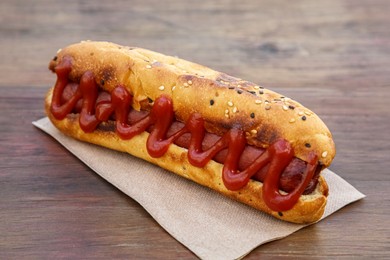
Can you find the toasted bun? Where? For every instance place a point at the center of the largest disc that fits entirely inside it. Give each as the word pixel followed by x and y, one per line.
pixel 264 115
pixel 191 87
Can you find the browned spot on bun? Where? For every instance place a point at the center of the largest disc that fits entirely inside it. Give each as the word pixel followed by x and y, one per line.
pixel 107 73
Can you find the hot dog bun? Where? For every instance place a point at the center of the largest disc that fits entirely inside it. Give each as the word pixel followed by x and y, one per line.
pixel 222 100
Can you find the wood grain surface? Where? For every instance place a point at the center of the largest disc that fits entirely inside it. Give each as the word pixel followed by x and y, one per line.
pixel 333 56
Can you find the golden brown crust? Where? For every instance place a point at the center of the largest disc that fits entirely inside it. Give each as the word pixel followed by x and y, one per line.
pixel 147 74
pixel 235 103
pixel 308 209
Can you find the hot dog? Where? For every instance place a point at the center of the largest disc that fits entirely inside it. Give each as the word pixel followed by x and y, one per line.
pixel 233 136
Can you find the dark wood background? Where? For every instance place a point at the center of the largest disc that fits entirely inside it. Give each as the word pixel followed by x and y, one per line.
pixel 333 56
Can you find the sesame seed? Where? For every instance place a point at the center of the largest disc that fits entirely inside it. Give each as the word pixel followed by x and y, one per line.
pixel 261 92
pixel 173 88
pixel 267 107
pixel 252 115
pixel 324 154
pixel 161 87
pixel 300 113
pixel 230 103
pixel 239 91
pixel 291 107
pixel 185 84
pixel 307 113
pixel 258 101
pixel 307 145
pixel 285 108
pixel 235 110
pixel 189 82
pixel 227 111
pixel 211 102
pixel 254 131
pixel 303 118
pixel 256 87
pixel 292 120
pixel 148 66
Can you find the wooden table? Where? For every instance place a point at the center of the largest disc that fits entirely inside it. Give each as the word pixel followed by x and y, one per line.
pixel 333 56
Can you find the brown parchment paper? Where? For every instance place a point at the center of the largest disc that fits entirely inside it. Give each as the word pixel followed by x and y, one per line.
pixel 210 225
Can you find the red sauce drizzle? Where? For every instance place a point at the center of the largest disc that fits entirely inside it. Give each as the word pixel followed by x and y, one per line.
pixel 96 109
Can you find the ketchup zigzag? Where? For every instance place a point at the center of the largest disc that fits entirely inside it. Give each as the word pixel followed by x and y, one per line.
pixel 118 102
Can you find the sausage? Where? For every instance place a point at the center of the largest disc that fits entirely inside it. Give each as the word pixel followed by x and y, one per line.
pixel 290 178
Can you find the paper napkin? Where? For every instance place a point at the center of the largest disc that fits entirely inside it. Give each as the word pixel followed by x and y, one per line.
pixel 210 225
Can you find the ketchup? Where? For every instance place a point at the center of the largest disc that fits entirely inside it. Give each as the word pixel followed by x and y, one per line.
pixel 96 108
